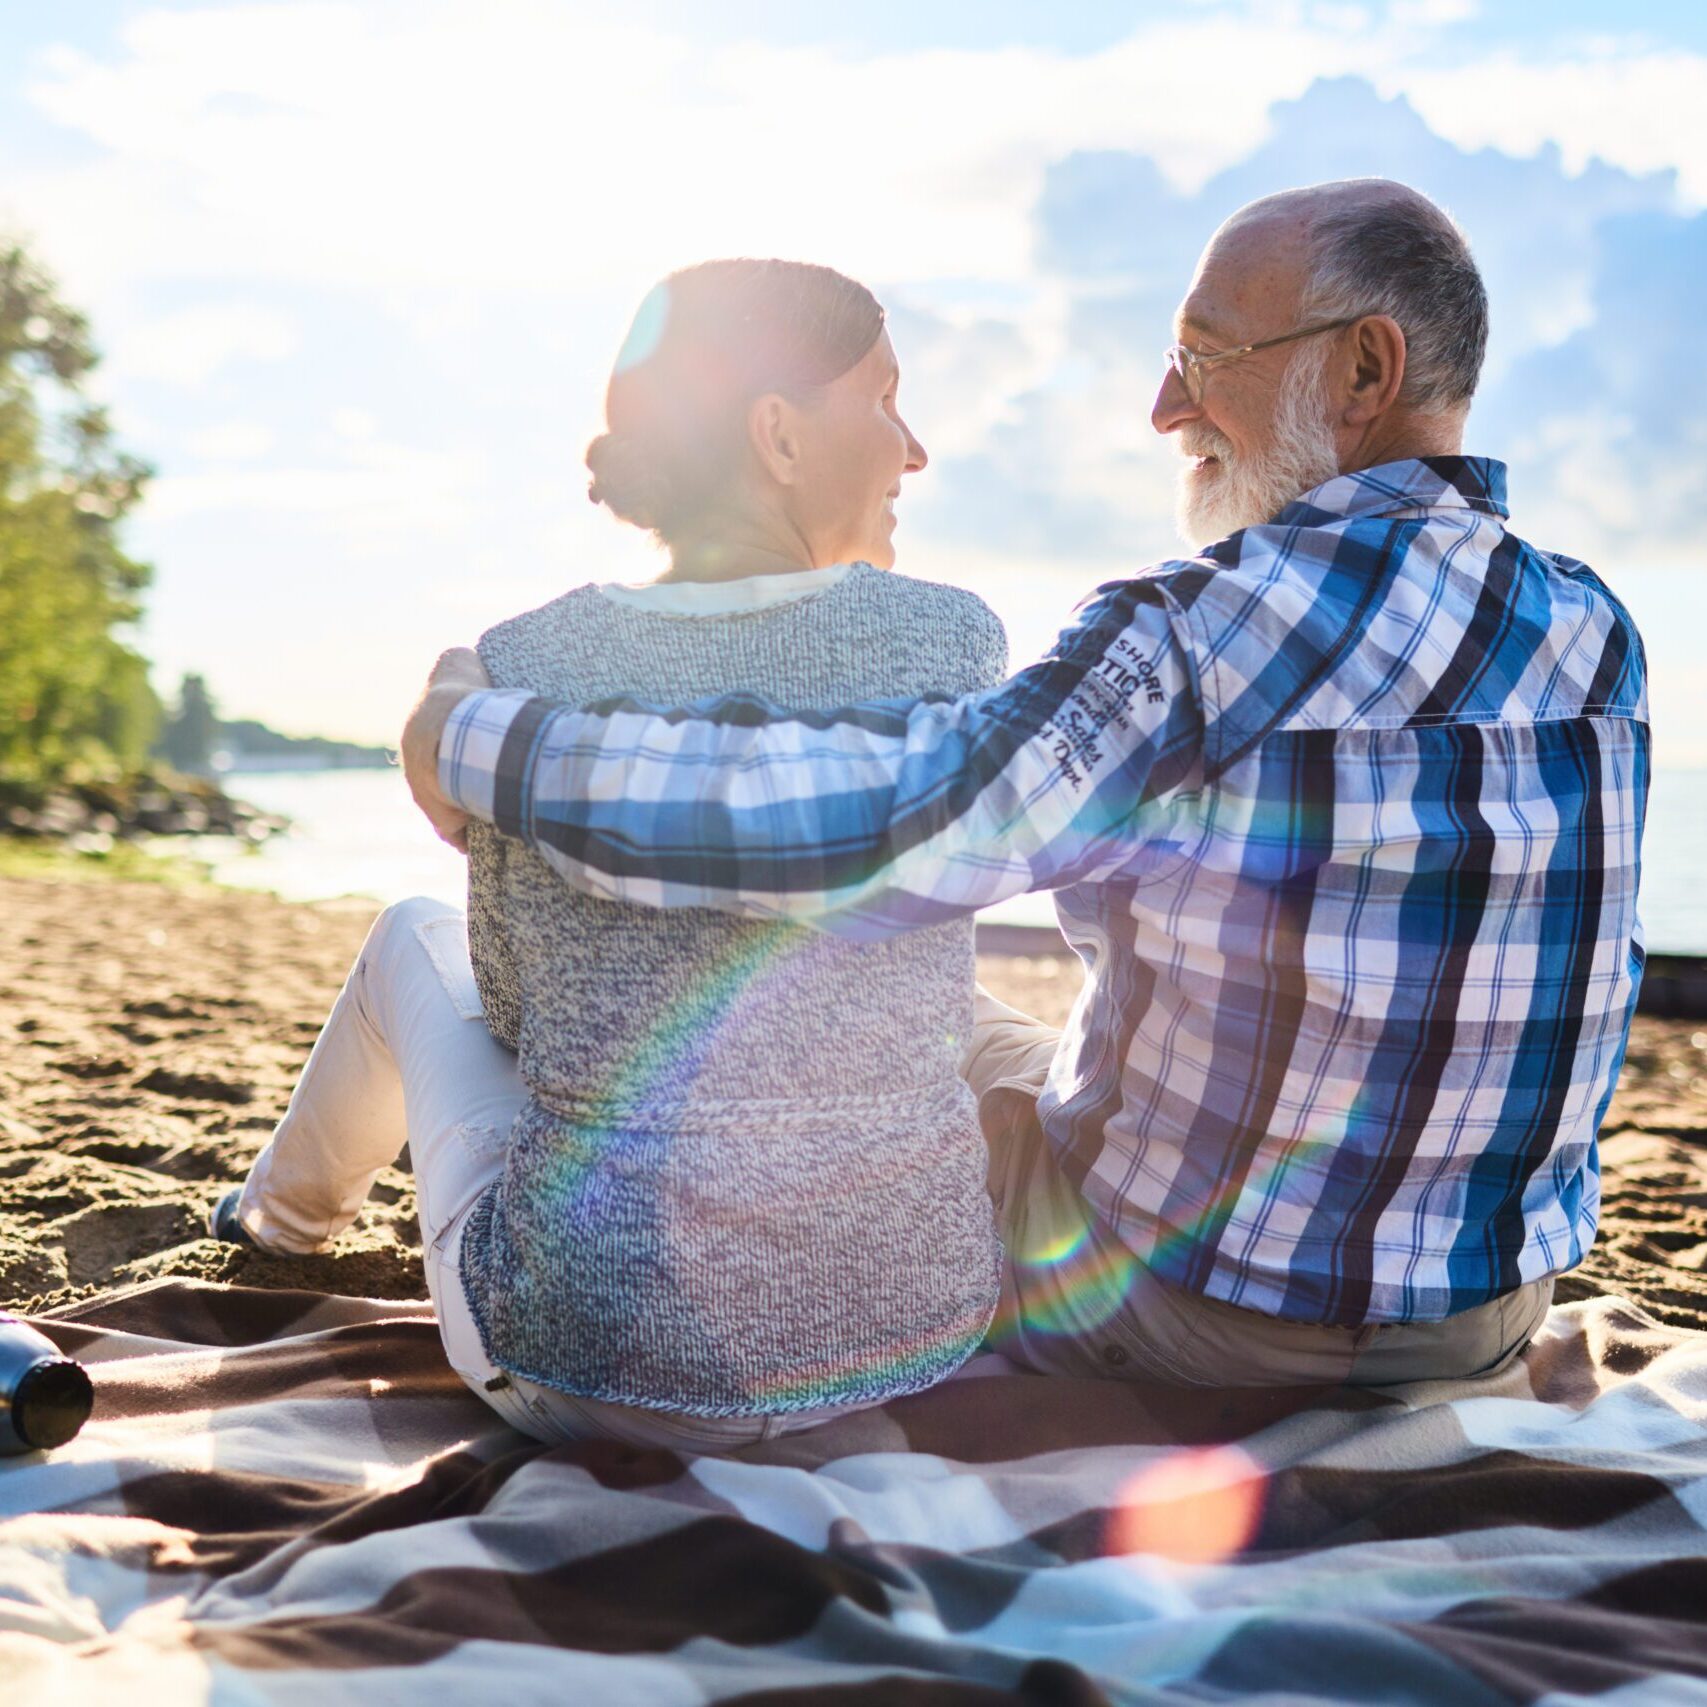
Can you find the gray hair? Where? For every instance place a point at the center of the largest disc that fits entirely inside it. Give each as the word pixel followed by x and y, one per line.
pixel 1399 254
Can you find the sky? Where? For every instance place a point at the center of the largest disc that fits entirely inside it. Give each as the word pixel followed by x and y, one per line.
pixel 359 271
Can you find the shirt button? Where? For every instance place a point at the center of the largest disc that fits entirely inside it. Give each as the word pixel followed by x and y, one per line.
pixel 1114 1355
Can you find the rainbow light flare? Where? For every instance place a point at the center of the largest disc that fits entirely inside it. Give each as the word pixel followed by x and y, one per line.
pixel 1072 1278
pixel 654 1075
pixel 670 1052
pixel 902 1365
pixel 1070 1283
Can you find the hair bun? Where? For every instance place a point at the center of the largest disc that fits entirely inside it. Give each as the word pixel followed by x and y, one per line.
pixel 704 344
pixel 625 480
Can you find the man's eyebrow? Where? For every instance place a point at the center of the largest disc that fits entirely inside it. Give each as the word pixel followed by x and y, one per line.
pixel 1191 323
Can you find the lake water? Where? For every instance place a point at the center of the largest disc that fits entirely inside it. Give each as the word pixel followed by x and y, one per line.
pixel 358 833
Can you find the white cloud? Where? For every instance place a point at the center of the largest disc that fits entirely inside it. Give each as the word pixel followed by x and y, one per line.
pixel 460 209
pixel 961 371
pixel 1641 112
pixel 350 423
pixel 395 144
pixel 1601 439
pixel 189 347
pixel 231 441
pixel 1433 13
pixel 389 493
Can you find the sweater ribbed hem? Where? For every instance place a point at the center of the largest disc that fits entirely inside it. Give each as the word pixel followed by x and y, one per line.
pixel 916 1372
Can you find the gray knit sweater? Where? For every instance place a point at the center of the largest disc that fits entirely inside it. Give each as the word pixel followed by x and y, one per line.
pixel 748 1178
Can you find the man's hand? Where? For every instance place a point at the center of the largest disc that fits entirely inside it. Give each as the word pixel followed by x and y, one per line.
pixel 458 673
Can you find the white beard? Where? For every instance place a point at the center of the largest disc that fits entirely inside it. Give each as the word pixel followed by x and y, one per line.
pixel 1240 492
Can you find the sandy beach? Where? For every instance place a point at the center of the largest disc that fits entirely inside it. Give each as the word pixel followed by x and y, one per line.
pixel 150 1036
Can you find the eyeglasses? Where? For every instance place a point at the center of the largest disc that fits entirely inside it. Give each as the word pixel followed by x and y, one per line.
pixel 1189 365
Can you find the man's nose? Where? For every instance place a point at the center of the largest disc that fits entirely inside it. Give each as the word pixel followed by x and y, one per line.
pixel 1173 406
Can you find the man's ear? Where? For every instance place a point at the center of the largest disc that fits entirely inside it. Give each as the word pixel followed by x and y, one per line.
pixel 1377 357
pixel 773 431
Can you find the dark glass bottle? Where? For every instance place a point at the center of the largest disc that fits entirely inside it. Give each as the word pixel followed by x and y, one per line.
pixel 44 1398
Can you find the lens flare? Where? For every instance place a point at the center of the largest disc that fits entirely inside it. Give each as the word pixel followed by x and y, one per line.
pixel 1071 1274
pixel 1061 1247
pixel 622 1125
pixel 904 1364
pixel 646 330
pixel 1196 1507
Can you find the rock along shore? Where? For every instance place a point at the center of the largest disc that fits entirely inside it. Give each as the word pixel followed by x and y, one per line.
pixel 91 817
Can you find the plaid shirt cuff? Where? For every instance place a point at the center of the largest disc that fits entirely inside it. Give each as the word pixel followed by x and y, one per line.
pixel 472 746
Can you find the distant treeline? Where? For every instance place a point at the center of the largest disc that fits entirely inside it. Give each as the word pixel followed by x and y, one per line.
pixel 244 738
pixel 198 741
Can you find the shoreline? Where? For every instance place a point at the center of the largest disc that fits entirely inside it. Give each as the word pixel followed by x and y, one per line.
pixel 96 816
pixel 150 1035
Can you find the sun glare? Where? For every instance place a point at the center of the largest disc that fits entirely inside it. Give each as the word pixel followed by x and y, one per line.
pixel 1195 1507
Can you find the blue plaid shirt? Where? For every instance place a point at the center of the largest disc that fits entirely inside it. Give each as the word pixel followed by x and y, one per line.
pixel 1343 817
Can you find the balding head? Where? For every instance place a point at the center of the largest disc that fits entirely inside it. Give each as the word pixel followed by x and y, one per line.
pixel 1373 246
pixel 1327 329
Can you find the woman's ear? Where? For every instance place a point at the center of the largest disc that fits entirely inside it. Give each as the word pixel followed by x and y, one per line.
pixel 773 430
pixel 1377 369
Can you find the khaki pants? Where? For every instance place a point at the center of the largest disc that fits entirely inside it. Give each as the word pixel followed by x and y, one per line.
pixel 1075 1301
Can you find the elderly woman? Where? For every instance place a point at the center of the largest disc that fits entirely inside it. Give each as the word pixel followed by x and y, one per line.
pixel 684 1179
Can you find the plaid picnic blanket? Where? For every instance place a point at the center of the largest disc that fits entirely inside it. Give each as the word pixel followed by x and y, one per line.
pixel 289 1498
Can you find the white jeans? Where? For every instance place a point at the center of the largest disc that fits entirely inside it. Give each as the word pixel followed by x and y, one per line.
pixel 405 1058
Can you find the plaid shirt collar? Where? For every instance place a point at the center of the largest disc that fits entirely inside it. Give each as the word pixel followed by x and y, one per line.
pixel 1394 488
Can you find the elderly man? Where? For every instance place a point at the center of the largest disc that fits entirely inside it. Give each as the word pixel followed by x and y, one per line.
pixel 1343 816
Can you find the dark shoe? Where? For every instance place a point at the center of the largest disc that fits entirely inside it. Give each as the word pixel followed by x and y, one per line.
pixel 222 1222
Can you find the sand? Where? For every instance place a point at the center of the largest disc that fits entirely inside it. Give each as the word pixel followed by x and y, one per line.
pixel 149 1038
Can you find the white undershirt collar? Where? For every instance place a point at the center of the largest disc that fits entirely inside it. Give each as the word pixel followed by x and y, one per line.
pixel 723 598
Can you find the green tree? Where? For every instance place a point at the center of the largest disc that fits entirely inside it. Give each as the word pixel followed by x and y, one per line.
pixel 74 696
pixel 192 731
